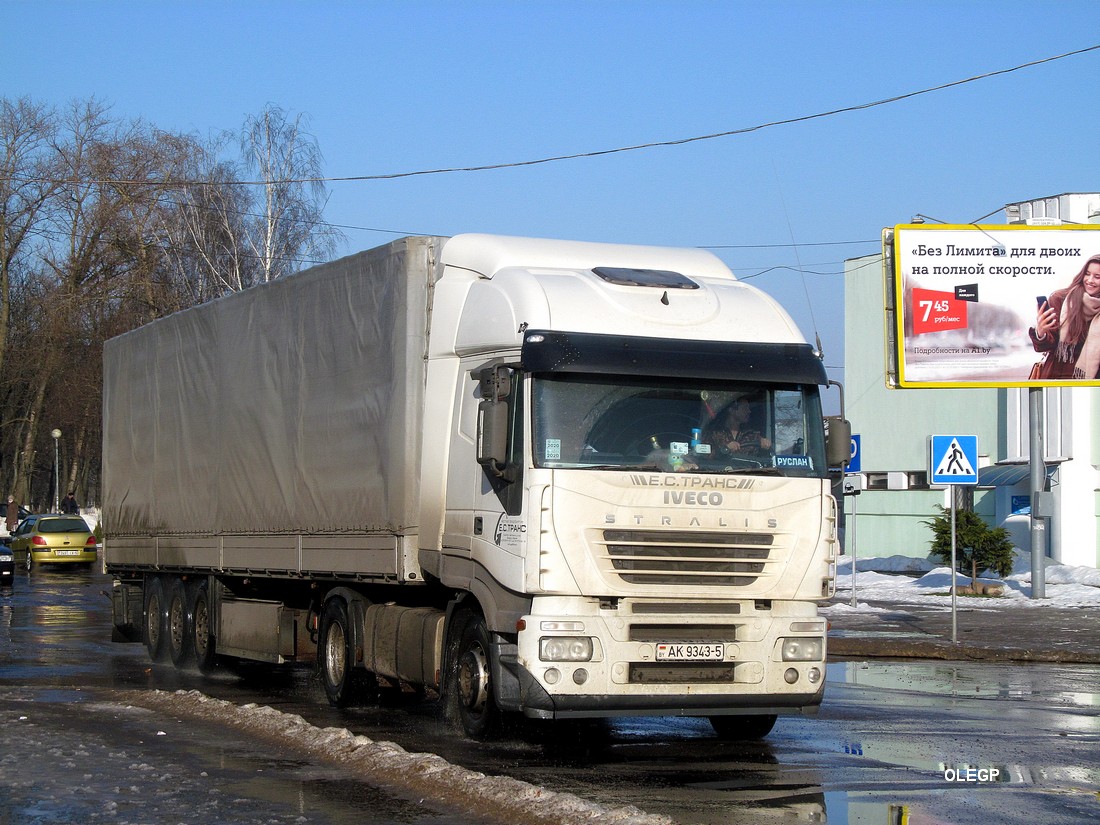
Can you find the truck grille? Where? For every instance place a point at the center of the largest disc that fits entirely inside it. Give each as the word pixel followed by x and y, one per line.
pixel 650 557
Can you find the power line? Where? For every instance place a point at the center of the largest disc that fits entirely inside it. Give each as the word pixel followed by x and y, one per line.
pixel 683 141
pixel 602 152
pixel 784 245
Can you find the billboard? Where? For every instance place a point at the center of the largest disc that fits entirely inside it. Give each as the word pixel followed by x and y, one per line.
pixel 996 306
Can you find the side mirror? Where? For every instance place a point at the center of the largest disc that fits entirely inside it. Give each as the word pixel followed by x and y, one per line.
pixel 492 435
pixel 838 441
pixel 493 418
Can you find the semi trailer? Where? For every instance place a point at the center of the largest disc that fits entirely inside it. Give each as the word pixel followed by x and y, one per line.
pixel 560 479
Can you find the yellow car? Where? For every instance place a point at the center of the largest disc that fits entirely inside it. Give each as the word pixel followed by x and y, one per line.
pixel 54 539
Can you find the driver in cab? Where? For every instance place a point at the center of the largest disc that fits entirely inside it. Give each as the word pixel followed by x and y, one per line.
pixel 731 431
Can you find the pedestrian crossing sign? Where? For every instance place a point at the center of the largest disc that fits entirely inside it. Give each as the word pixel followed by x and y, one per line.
pixel 953 459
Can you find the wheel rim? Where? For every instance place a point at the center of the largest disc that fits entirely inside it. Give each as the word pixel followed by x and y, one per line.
pixel 202 628
pixel 152 622
pixel 335 653
pixel 176 624
pixel 473 679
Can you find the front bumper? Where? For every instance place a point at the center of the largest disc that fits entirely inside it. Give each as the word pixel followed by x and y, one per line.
pixel 625 678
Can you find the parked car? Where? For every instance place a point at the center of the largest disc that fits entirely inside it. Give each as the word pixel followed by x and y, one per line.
pixel 54 539
pixel 7 566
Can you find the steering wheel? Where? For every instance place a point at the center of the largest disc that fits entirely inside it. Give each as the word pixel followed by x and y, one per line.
pixel 664 429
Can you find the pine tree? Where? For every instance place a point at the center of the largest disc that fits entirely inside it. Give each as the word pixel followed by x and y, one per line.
pixel 977 545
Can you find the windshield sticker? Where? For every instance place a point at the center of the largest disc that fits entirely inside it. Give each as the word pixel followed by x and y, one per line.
pixel 797 462
pixel 678 448
pixel 553 449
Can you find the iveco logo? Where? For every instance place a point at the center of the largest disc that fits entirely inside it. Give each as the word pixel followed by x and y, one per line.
pixel 692 498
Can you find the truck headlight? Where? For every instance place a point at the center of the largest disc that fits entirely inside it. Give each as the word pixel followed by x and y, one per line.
pixel 802 649
pixel 565 649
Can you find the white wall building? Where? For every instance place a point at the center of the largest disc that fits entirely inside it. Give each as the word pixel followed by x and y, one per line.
pixel 894 425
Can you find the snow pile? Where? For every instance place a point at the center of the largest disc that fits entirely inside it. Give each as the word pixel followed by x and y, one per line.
pixel 423 776
pixel 886 564
pixel 1066 585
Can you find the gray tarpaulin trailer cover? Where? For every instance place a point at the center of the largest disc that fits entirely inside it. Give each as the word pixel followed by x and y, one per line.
pixel 314 426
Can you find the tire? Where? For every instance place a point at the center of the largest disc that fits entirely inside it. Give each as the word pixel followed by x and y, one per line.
pixel 473 682
pixel 180 649
pixel 202 630
pixel 742 728
pixel 155 620
pixel 344 683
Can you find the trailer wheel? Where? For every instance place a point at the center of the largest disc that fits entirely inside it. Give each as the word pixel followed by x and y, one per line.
pixel 344 683
pixel 473 682
pixel 742 728
pixel 179 623
pixel 155 620
pixel 202 636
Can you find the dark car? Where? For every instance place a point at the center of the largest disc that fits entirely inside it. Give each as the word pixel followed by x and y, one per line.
pixel 7 564
pixel 54 539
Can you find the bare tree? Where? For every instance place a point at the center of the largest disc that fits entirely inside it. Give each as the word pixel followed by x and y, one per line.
pixel 26 130
pixel 286 158
pixel 207 236
pixel 107 225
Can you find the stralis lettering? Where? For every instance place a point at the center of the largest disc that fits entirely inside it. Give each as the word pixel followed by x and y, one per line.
pixel 692 498
pixel 692 482
pixel 680 520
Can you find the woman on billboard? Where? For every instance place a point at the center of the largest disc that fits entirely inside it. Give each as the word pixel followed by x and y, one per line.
pixel 1067 328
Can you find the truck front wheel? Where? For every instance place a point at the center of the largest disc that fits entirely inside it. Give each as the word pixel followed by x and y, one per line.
pixel 473 682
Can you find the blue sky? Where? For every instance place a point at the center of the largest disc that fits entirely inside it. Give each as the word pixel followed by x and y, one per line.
pixel 405 86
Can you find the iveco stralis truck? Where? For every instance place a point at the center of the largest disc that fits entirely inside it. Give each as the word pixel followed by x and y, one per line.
pixel 496 469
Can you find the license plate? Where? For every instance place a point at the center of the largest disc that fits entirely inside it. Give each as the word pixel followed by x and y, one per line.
pixel 66 552
pixel 677 652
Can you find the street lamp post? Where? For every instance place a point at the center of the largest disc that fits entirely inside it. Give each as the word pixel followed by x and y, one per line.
pixel 56 472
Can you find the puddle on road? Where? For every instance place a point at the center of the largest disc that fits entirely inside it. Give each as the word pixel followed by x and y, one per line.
pixel 853 633
pixel 962 763
pixel 971 680
pixel 956 807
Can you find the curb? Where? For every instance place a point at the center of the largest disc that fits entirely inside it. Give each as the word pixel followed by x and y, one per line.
pixel 840 648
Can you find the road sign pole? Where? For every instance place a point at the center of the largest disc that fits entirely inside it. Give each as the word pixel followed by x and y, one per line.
pixel 1038 483
pixel 954 576
pixel 854 498
pixel 855 467
pixel 953 461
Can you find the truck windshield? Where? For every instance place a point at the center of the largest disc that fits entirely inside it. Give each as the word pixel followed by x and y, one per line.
pixel 677 425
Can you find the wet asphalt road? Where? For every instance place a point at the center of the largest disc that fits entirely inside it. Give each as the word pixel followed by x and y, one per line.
pixel 927 741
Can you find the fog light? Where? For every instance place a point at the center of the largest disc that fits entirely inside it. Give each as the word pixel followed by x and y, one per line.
pixel 565 649
pixel 814 675
pixel 552 676
pixel 790 676
pixel 580 676
pixel 802 649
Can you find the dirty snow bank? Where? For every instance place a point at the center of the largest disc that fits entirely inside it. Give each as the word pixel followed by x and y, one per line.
pixel 885 580
pixel 385 764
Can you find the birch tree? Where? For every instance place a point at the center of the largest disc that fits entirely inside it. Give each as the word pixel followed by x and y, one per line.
pixel 286 160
